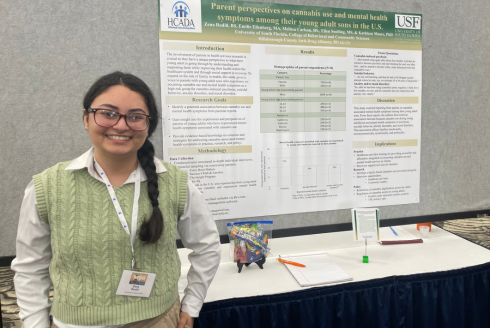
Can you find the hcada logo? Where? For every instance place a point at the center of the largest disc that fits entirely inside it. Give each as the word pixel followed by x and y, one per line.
pixel 182 18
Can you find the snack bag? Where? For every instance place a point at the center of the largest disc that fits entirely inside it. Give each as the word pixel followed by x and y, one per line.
pixel 249 240
pixel 239 251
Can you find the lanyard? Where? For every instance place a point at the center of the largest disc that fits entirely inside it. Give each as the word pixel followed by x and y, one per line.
pixel 117 206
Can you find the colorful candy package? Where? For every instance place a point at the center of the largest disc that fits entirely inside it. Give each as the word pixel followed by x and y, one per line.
pixel 249 240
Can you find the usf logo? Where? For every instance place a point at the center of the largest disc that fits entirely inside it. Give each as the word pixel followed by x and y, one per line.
pixel 412 22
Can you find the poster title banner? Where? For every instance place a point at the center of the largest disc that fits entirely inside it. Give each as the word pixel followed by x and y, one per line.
pixel 266 23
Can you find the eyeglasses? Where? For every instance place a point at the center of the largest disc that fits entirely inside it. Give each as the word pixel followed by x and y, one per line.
pixel 107 118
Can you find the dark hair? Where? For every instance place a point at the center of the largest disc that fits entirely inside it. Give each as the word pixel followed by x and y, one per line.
pixel 151 229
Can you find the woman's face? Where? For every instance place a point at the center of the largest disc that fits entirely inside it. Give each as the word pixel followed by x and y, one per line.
pixel 117 140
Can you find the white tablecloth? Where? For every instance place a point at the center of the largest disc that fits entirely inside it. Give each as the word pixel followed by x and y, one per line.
pixel 440 251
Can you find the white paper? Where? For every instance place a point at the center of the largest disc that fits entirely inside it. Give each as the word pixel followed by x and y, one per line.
pixel 386 234
pixel 365 223
pixel 319 270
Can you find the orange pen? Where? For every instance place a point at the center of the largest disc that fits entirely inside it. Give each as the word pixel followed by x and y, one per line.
pixel 292 263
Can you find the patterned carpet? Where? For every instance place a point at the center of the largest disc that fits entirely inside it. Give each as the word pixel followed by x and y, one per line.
pixel 10 310
pixel 475 230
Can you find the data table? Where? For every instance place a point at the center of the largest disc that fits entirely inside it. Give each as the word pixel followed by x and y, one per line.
pixel 302 101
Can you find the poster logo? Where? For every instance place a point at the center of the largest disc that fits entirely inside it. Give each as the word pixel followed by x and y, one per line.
pixel 180 16
pixel 412 22
pixel 179 11
pixel 138 279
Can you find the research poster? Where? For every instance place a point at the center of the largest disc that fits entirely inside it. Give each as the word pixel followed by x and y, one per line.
pixel 276 109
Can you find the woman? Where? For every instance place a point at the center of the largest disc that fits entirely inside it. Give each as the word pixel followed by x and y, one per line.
pixel 102 227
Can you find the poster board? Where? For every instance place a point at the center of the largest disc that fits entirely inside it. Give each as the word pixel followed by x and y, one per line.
pixel 277 109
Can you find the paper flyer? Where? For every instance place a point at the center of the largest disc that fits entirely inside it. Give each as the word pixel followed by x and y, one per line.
pixel 365 223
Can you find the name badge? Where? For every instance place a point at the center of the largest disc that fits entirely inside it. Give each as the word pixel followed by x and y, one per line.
pixel 135 283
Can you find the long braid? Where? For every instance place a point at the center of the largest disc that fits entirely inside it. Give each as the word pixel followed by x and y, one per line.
pixel 151 229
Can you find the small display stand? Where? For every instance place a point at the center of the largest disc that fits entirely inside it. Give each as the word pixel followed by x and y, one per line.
pixel 365 258
pixel 260 263
pixel 365 224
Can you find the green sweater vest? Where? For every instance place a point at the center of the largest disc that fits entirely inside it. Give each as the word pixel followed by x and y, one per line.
pixel 91 249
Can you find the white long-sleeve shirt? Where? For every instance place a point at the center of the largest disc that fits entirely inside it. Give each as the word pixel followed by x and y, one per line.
pixel 196 228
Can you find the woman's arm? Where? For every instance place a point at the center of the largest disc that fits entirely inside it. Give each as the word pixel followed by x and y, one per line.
pixel 198 232
pixel 31 265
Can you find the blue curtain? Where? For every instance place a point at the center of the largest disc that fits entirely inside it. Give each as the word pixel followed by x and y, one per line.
pixel 456 298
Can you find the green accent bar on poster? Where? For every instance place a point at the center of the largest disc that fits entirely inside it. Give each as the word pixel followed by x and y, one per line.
pixel 302 77
pixel 324 90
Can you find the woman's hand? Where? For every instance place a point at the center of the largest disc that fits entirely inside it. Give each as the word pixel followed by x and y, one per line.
pixel 185 320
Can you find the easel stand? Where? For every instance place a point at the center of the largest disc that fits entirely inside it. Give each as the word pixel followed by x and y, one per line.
pixel 260 263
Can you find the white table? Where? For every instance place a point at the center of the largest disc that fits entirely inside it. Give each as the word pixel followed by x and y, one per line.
pixel 440 251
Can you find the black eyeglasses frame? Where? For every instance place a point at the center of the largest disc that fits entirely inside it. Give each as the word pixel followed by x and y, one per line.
pixel 94 110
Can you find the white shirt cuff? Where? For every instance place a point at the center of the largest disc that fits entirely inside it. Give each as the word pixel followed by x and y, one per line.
pixel 191 305
pixel 38 320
